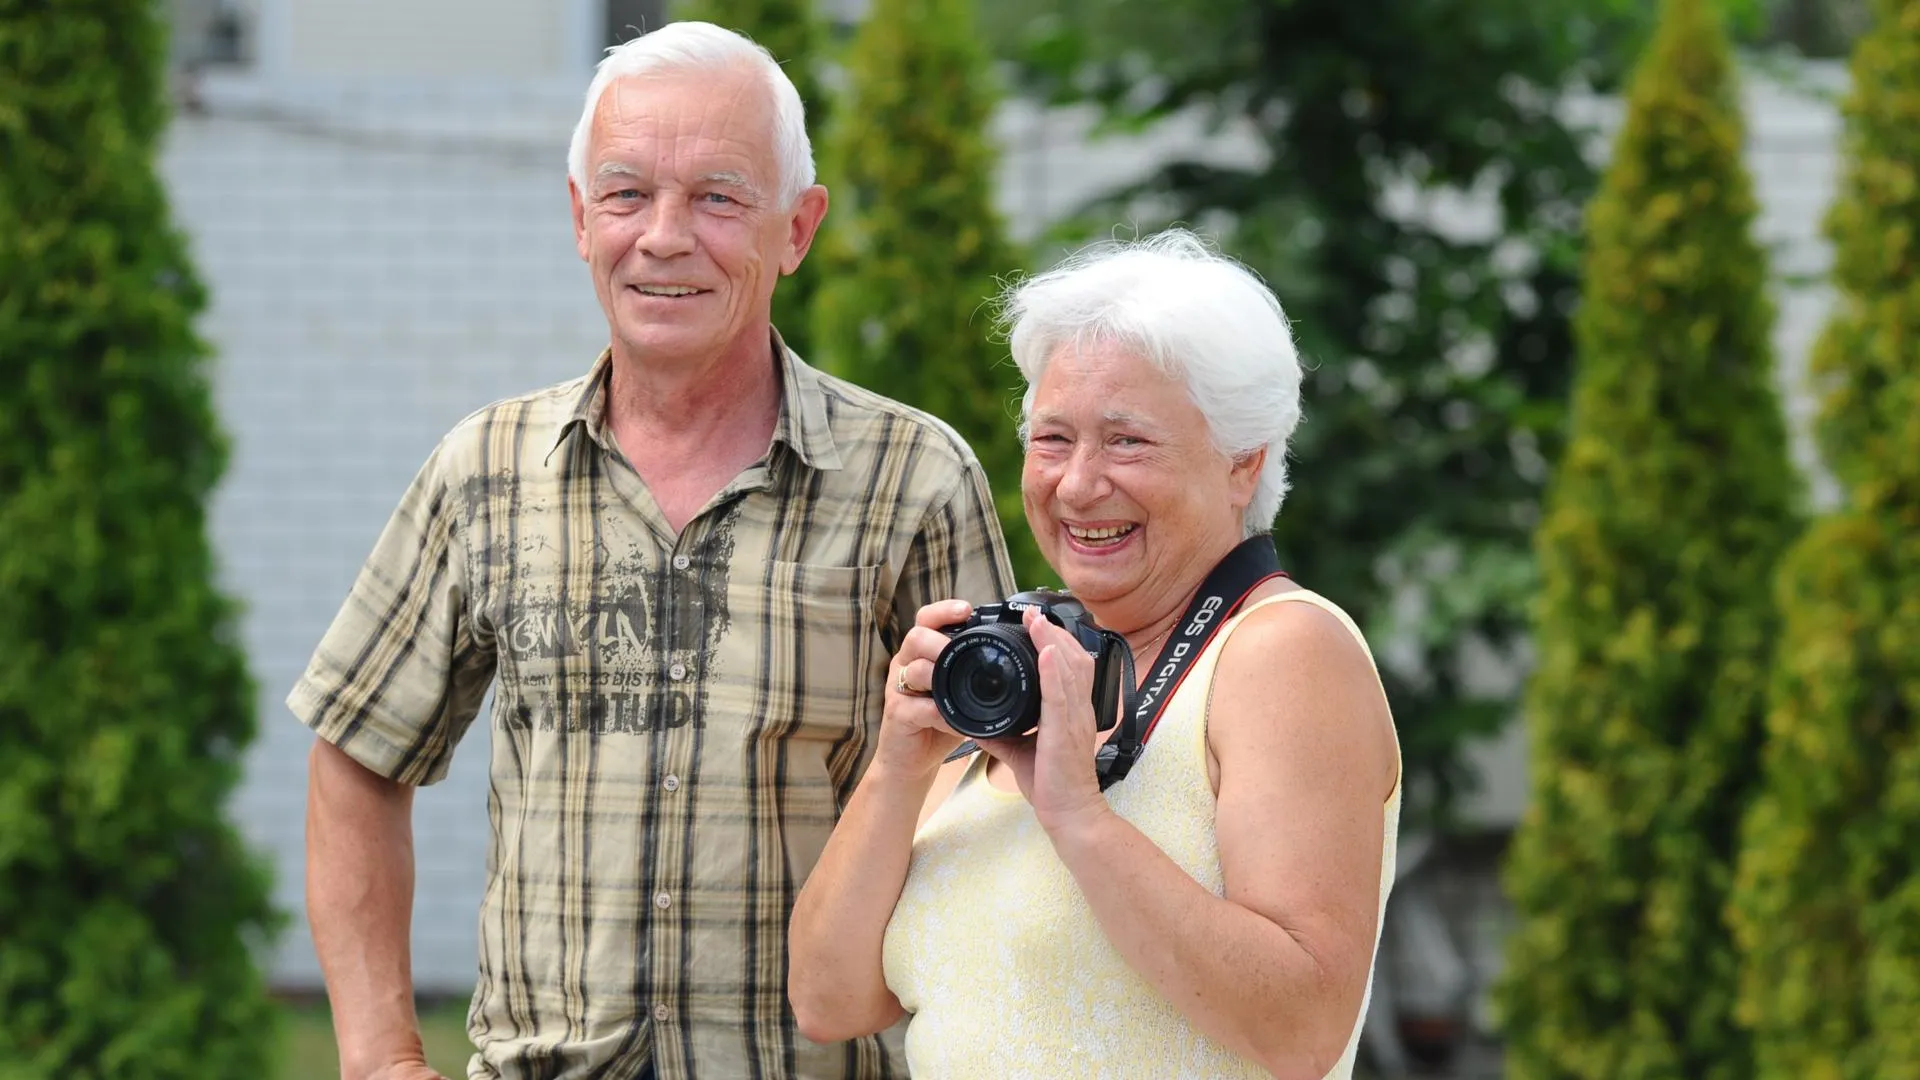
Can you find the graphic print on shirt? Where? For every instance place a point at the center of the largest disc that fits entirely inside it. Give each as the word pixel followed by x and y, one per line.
pixel 601 632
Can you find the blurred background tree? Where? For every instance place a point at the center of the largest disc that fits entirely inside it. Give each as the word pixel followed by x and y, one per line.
pixel 1827 906
pixel 796 36
pixel 1438 355
pixel 129 908
pixel 911 254
pixel 1654 624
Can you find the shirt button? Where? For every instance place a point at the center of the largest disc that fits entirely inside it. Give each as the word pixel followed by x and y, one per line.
pixel 681 562
pixel 662 901
pixel 662 1013
pixel 671 783
pixel 677 672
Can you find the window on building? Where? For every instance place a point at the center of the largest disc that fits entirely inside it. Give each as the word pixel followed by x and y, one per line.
pixel 209 33
pixel 628 19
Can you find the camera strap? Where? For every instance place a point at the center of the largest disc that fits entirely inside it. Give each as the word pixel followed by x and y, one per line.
pixel 1247 567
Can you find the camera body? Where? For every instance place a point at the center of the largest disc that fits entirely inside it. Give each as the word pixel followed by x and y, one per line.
pixel 986 681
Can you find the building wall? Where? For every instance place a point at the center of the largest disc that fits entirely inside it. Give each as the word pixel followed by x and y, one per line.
pixel 365 298
pixel 427 38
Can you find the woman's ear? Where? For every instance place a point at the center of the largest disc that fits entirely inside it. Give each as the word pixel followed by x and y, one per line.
pixel 1245 476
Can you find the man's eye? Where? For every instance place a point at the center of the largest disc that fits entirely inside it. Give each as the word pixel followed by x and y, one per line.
pixel 717 197
pixel 626 194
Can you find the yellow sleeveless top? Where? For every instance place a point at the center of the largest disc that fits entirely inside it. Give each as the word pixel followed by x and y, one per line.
pixel 997 957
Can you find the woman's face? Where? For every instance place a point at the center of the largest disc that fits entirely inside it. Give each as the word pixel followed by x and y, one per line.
pixel 1129 500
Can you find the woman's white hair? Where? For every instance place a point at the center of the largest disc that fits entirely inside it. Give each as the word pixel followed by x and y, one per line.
pixel 694 47
pixel 1197 315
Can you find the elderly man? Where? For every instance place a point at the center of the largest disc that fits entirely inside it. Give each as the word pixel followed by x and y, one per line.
pixel 683 574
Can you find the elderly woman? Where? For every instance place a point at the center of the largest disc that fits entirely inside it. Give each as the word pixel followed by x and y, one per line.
pixel 1214 910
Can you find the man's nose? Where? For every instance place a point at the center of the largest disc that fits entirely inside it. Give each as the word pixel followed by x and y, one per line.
pixel 669 228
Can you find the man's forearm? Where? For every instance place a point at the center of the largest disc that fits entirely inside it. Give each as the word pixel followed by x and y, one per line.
pixel 360 908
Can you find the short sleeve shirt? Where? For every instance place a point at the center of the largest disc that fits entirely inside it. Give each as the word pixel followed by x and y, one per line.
pixel 677 721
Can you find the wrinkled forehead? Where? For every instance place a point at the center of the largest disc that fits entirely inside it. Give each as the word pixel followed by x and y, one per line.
pixel 1108 383
pixel 1098 364
pixel 726 111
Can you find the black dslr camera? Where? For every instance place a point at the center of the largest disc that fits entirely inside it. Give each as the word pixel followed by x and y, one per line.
pixel 986 682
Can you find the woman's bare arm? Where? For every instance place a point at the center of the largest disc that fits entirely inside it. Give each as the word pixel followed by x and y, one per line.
pixel 1277 968
pixel 836 979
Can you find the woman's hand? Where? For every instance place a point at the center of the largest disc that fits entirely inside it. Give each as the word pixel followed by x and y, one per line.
pixel 1054 767
pixel 913 737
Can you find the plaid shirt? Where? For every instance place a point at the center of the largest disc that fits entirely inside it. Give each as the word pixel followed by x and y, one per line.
pixel 677 721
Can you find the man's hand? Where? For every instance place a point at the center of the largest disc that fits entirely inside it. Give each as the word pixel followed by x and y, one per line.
pixel 410 1070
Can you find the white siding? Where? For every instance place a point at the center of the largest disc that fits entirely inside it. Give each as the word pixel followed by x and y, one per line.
pixel 426 39
pixel 365 299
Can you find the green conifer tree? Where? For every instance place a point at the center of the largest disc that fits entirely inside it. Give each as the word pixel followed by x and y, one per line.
pixel 129 909
pixel 912 253
pixel 1827 900
pixel 794 34
pixel 1664 519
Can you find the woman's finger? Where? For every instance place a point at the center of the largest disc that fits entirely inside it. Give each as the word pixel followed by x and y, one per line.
pixel 942 613
pixel 913 677
pixel 922 641
pixel 1045 633
pixel 1058 679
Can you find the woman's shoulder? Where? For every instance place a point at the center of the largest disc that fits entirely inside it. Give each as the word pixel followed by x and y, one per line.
pixel 1286 613
pixel 1293 660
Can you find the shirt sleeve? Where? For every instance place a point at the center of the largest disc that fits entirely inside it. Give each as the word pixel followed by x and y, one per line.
pixel 960 552
pixel 398 676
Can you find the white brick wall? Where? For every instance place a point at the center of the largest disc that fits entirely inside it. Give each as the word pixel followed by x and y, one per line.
pixel 365 298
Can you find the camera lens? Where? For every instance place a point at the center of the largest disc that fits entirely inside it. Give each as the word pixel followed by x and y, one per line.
pixel 986 682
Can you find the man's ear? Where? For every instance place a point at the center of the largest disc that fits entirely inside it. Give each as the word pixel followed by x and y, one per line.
pixel 579 217
pixel 809 210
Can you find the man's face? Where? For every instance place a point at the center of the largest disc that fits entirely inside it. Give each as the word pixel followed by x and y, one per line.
pixel 680 221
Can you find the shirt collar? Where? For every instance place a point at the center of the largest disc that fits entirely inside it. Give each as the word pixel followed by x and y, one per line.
pixel 802 423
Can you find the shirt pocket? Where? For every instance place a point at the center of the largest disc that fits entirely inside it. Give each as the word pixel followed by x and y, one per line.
pixel 825 654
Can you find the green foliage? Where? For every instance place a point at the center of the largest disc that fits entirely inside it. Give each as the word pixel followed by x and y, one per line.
pixel 128 907
pixel 1438 345
pixel 1827 900
pixel 1665 518
pixel 910 258
pixel 793 33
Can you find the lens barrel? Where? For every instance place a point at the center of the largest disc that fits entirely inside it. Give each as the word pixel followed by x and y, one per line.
pixel 986 682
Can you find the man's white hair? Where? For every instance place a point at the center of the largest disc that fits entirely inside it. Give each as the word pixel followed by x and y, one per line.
pixel 703 47
pixel 1197 315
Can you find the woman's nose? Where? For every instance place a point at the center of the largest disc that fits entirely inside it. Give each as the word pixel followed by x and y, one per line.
pixel 1083 477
